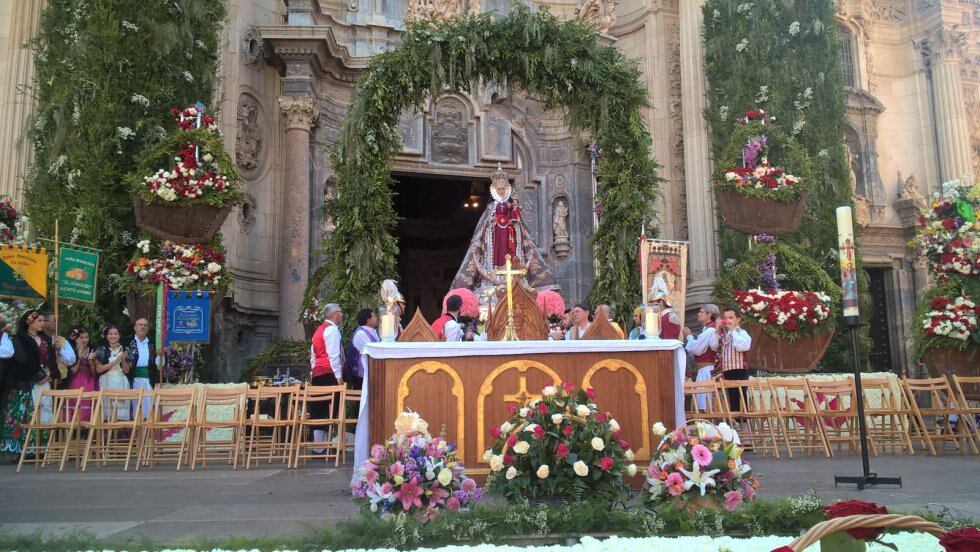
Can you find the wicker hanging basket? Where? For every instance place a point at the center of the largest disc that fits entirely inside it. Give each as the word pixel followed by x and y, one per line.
pixel 145 306
pixel 753 215
pixel 894 521
pixel 195 222
pixel 950 362
pixel 782 356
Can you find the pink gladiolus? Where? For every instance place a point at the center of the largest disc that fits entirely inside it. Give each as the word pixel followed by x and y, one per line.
pixel 410 494
pixel 452 504
pixel 675 484
pixel 701 454
pixel 396 469
pixel 469 485
pixel 732 500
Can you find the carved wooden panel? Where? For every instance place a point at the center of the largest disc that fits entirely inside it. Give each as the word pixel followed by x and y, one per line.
pixel 529 323
pixel 600 328
pixel 418 330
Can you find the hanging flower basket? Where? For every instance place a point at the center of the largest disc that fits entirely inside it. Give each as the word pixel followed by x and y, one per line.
pixel 783 356
pixel 953 362
pixel 195 222
pixel 759 215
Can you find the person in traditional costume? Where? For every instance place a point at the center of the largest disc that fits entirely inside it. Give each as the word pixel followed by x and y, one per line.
pixel 733 343
pixel 394 302
pixel 366 332
pixel 704 348
pixel 501 232
pixel 83 374
pixel 112 365
pixel 18 403
pixel 670 322
pixel 146 362
pixel 326 363
pixel 607 311
pixel 581 320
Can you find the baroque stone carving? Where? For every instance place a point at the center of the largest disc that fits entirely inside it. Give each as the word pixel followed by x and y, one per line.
pixel 862 211
pixel 910 191
pixel 248 141
pixel 300 113
pixel 252 47
pixel 450 140
pixel 601 14
pixel 944 45
pixel 246 213
pixel 439 10
pixel 559 227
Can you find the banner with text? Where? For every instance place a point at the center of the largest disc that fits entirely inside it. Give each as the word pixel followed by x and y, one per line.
pixel 77 270
pixel 188 317
pixel 23 272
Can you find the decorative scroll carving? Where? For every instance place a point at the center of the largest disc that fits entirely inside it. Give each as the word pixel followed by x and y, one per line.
pixel 862 211
pixel 601 14
pixel 418 330
pixel 559 226
pixel 248 141
pixel 299 112
pixel 944 45
pixel 910 190
pixel 529 323
pixel 450 141
pixel 252 47
pixel 601 328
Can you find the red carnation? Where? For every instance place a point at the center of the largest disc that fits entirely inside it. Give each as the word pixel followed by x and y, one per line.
pixel 542 408
pixel 512 409
pixel 495 432
pixel 964 539
pixel 939 303
pixel 601 416
pixel 568 430
pixel 590 393
pixel 508 459
pixel 512 440
pixel 562 450
pixel 538 432
pixel 605 463
pixel 845 508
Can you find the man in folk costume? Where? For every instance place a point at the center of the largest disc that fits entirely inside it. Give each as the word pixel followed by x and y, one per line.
pixel 670 322
pixel 327 363
pixel 704 348
pixel 733 343
pixel 366 332
pixel 146 363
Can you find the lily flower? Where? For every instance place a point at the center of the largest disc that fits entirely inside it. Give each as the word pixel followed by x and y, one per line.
pixel 699 479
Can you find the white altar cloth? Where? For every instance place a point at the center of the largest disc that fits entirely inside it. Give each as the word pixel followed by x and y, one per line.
pixel 384 350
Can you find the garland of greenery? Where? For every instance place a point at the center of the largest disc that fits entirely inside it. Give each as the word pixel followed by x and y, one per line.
pixel 782 150
pixel 563 64
pixel 784 56
pixel 105 78
pixel 956 286
pixel 797 271
pixel 161 156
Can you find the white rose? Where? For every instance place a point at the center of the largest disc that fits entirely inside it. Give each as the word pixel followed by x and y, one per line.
pixel 543 471
pixel 506 427
pixel 529 428
pixel 582 410
pixel 613 424
pixel 522 447
pixel 597 443
pixel 487 454
pixel 214 267
pixel 629 454
pixel 556 418
pixel 511 473
pixel 631 470
pixel 659 429
pixel 524 411
pixel 580 468
pixel 549 391
pixel 208 157
pixel 496 462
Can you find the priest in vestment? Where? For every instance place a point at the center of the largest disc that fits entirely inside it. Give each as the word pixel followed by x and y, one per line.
pixel 501 232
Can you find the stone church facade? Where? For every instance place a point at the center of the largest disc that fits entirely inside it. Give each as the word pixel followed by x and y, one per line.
pixel 288 71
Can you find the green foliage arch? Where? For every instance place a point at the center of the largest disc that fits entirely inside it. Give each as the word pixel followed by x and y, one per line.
pixel 560 63
pixel 782 150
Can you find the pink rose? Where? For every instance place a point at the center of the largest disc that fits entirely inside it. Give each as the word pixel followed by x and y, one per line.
pixel 605 463
pixel 562 450
pixel 396 469
pixel 371 476
pixel 495 432
pixel 377 452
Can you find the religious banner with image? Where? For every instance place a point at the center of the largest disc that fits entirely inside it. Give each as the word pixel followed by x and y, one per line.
pixel 77 269
pixel 666 273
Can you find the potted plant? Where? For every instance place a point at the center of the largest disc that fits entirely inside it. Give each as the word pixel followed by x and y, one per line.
pixel 698 465
pixel 560 448
pixel 180 267
pixel 754 194
pixel 786 301
pixel 414 472
pixel 186 184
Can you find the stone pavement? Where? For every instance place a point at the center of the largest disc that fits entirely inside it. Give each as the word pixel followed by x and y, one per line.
pixel 165 505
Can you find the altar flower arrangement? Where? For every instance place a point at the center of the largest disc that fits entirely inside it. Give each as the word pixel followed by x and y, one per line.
pixel 949 231
pixel 698 465
pixel 792 311
pixel 194 117
pixel 179 266
pixel 557 447
pixel 414 472
pixel 552 305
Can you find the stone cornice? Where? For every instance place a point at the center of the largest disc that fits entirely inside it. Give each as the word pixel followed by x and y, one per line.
pixel 317 44
pixel 861 100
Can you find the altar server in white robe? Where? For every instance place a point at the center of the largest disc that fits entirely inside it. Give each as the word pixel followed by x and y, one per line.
pixel 704 348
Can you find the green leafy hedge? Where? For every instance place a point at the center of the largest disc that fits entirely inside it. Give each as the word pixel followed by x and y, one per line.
pixel 560 62
pixel 782 150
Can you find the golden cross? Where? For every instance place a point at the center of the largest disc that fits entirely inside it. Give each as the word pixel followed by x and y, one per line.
pixel 509 273
pixel 522 396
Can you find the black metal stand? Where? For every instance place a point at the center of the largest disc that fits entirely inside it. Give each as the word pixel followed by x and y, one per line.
pixel 867 478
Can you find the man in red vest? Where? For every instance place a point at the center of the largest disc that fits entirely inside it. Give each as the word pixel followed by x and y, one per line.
pixel 326 362
pixel 704 348
pixel 447 326
pixel 670 323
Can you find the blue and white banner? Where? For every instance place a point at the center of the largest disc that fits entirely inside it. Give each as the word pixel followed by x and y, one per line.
pixel 188 317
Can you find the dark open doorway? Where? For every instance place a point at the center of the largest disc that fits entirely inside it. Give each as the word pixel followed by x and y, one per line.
pixel 437 218
pixel 880 356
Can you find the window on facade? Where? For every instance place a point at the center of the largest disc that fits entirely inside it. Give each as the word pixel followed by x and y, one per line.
pixel 847 56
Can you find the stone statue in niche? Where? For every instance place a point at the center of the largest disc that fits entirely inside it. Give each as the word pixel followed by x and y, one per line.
pixel 559 226
pixel 601 14
pixel 248 141
pixel 450 140
pixel 862 207
pixel 910 190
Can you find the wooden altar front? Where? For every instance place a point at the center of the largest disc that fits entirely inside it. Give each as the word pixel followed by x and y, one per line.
pixel 464 388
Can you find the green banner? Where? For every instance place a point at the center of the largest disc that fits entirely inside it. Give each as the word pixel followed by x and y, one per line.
pixel 77 270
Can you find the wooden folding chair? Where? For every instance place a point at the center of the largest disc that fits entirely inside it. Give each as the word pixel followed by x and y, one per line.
pixel 888 421
pixel 835 402
pixel 962 385
pixel 931 413
pixel 163 435
pixel 219 410
pixel 797 417
pixel 317 408
pixel 712 400
pixel 77 446
pixel 352 401
pixel 269 427
pixel 53 425
pixel 756 424
pixel 111 437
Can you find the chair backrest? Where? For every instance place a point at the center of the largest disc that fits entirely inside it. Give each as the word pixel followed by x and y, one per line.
pixel 791 395
pixel 938 391
pixel 965 386
pixel 313 394
pixel 105 408
pixel 750 392
pixel 166 399
pixel 62 405
pixel 708 387
pixel 833 395
pixel 889 397
pixel 216 399
pixel 279 399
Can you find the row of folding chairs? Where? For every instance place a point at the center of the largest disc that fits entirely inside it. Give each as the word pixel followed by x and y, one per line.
pixel 809 415
pixel 190 427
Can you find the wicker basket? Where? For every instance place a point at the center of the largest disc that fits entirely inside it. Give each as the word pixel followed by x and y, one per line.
pixel 753 215
pixel 948 362
pixel 894 521
pixel 195 222
pixel 784 357
pixel 145 306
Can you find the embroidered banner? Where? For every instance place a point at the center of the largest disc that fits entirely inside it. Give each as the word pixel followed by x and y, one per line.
pixel 188 317
pixel 77 270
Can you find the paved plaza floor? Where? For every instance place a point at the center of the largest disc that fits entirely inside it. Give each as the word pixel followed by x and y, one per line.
pixel 164 505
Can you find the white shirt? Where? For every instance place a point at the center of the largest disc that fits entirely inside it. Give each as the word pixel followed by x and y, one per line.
pixel 452 330
pixel 331 338
pixel 142 351
pixel 707 339
pixel 6 346
pixel 361 339
pixel 67 354
pixel 579 332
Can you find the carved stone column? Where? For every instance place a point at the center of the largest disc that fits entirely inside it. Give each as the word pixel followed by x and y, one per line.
pixel 701 221
pixel 299 117
pixel 943 52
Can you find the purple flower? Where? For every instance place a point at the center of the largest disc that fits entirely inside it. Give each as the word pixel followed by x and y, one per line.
pixel 751 151
pixel 765 238
pixel 767 272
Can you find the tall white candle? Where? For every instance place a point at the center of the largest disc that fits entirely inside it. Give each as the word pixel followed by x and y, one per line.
pixel 848 264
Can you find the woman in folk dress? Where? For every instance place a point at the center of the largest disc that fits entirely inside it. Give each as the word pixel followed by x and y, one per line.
pixel 83 374
pixel 112 367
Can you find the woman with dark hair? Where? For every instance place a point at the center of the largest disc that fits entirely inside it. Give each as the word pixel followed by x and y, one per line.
pixel 112 367
pixel 83 372
pixel 34 369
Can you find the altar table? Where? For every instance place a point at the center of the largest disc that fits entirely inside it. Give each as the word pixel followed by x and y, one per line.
pixel 464 387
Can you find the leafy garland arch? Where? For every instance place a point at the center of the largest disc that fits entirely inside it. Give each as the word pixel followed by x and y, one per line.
pixel 562 64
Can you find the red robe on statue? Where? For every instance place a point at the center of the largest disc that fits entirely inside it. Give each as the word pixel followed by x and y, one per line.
pixel 504 233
